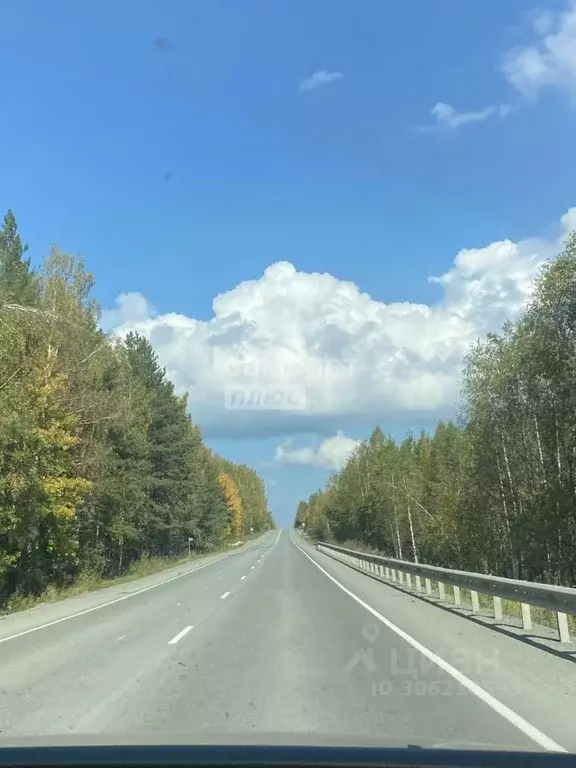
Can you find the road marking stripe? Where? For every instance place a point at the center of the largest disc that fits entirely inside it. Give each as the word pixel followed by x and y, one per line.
pixel 224 596
pixel 116 600
pixel 180 635
pixel 252 567
pixel 278 537
pixel 513 717
pixel 242 578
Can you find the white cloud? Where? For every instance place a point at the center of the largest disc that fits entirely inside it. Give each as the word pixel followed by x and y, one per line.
pixel 551 59
pixel 447 116
pixel 568 221
pixel 351 356
pixel 131 308
pixel 318 79
pixel 332 453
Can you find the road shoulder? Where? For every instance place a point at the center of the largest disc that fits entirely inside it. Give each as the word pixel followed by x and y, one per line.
pixel 538 685
pixel 43 614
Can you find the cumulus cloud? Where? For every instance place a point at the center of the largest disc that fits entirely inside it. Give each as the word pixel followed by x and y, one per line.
pixel 318 79
pixel 293 352
pixel 551 59
pixel 447 116
pixel 332 453
pixel 130 308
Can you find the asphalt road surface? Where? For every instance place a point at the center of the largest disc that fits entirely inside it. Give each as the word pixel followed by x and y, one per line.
pixel 275 639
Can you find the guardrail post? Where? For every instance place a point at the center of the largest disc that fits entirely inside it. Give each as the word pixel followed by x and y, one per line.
pixel 409 580
pixel 526 616
pixel 387 572
pixel 457 598
pixel 475 601
pixel 418 581
pixel 428 586
pixel 441 591
pixel 563 630
pixel 497 608
pixel 400 577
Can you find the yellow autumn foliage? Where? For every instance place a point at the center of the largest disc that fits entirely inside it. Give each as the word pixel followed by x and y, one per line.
pixel 65 493
pixel 57 434
pixel 234 504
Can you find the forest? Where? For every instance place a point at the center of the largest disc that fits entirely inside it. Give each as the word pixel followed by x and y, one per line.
pixel 494 490
pixel 100 462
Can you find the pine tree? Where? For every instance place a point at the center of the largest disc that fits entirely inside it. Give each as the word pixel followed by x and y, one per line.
pixel 18 284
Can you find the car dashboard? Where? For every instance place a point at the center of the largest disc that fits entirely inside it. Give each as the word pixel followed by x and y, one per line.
pixel 273 756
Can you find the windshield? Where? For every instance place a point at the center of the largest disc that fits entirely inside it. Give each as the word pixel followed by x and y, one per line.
pixel 287 373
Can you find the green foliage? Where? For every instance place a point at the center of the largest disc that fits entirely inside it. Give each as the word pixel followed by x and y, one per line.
pixel 101 467
pixel 17 283
pixel 497 491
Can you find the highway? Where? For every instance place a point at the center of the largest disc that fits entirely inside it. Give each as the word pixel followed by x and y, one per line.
pixel 274 639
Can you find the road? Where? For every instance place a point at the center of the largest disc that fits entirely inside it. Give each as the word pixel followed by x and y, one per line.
pixel 273 639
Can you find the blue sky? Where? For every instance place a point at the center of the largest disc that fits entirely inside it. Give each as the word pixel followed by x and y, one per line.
pixel 177 147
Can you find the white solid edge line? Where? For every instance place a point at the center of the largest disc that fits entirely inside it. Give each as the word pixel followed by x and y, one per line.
pixel 224 596
pixel 180 635
pixel 513 717
pixel 116 600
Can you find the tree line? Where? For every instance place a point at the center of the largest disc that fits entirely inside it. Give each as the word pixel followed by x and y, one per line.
pixel 494 490
pixel 100 463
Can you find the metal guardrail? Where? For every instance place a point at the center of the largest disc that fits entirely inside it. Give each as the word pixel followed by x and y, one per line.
pixel 560 600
